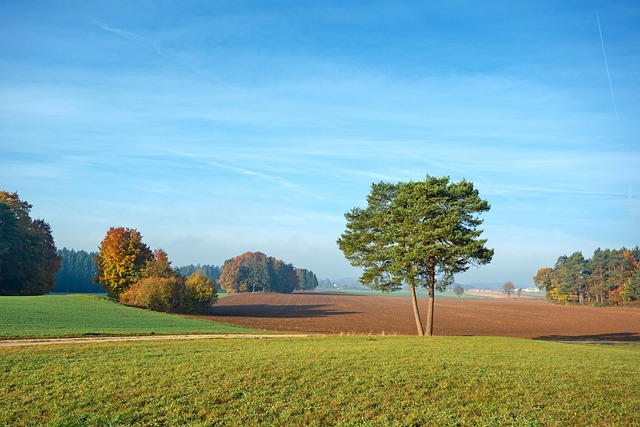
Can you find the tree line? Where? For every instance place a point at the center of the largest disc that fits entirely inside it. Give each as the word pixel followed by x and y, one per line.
pixel 257 272
pixel 610 276
pixel 78 269
pixel 210 271
pixel 135 275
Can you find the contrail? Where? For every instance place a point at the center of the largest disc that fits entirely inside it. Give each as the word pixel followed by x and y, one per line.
pixel 615 108
pixel 604 53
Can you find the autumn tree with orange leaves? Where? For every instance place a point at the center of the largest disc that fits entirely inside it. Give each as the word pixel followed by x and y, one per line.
pixel 121 260
pixel 159 266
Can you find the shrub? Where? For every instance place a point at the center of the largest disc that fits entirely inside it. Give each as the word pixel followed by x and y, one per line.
pixel 155 293
pixel 172 294
pixel 199 294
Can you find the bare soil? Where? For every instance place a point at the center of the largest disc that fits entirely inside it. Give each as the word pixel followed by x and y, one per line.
pixel 334 313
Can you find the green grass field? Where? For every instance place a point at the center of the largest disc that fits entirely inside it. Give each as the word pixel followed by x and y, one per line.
pixel 81 315
pixel 347 381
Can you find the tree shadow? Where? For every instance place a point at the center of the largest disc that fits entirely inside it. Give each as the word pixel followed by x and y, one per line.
pixel 334 293
pixel 267 311
pixel 626 337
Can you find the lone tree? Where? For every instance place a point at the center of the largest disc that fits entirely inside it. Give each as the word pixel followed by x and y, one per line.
pixel 458 290
pixel 418 233
pixel 507 288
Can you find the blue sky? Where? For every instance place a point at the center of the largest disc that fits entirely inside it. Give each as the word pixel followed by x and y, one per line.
pixel 219 127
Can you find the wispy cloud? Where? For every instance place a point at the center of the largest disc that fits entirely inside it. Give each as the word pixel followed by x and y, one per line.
pixel 253 173
pixel 130 36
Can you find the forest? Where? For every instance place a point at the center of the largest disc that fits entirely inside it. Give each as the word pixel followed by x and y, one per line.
pixel 609 277
pixel 77 270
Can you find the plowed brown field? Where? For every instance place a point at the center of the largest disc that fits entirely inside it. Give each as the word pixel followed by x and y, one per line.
pixel 364 314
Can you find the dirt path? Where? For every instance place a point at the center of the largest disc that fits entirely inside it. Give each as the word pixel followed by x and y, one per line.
pixel 90 340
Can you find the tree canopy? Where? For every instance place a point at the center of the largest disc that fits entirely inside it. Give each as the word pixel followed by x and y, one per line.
pixel 416 233
pixel 458 290
pixel 508 288
pixel 28 256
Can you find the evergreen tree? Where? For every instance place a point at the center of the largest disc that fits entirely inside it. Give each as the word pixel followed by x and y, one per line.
pixel 418 233
pixel 307 280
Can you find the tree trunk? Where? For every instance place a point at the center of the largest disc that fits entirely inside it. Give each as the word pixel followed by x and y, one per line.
pixel 416 311
pixel 430 306
pixel 430 303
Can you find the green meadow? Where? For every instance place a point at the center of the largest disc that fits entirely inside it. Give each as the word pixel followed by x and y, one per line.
pixel 84 315
pixel 345 381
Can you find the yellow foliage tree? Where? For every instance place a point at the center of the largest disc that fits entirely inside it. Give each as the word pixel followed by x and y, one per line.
pixel 121 260
pixel 547 279
pixel 200 293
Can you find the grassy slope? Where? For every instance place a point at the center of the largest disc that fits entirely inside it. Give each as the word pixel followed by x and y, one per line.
pixel 401 381
pixel 77 315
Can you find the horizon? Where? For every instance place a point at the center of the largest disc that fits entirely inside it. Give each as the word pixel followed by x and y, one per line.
pixel 217 128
